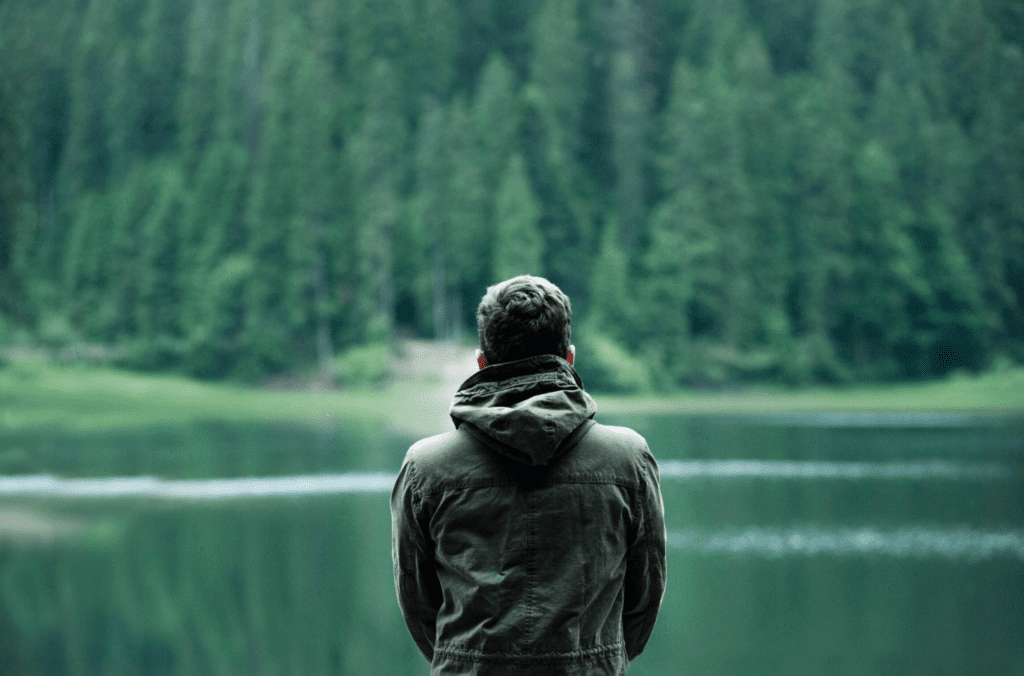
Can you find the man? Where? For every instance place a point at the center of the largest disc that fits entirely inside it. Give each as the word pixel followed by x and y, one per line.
pixel 530 540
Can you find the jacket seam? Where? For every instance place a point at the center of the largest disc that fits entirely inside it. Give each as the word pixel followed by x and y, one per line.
pixel 530 561
pixel 417 504
pixel 647 542
pixel 544 483
pixel 466 654
pixel 414 480
pixel 514 382
pixel 649 556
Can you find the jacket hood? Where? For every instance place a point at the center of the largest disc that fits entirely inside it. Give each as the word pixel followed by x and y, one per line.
pixel 527 410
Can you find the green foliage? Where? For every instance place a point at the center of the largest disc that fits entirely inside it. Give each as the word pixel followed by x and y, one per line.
pixel 495 117
pixel 55 331
pixel 558 70
pixel 630 128
pixel 518 246
pixel 5 336
pixel 605 365
pixel 379 172
pixel 215 339
pixel 363 366
pixel 610 304
pixel 825 191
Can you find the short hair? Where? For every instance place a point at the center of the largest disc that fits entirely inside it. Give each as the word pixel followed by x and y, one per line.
pixel 524 317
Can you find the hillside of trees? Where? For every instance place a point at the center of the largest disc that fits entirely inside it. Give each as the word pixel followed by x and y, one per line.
pixel 729 190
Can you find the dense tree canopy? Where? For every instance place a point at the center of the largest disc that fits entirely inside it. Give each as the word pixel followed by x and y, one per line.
pixel 728 189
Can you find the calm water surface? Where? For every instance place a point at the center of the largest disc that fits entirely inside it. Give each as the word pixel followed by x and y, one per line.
pixel 860 544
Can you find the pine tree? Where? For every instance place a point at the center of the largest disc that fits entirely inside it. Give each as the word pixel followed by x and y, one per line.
pixel 683 287
pixel 554 99
pixel 18 223
pixel 470 235
pixel 885 267
pixel 425 269
pixel 162 62
pixel 214 267
pixel 35 41
pixel 432 60
pixel 87 153
pixel 992 225
pixel 629 120
pixel 558 70
pixel 610 288
pixel 86 283
pixel 518 246
pixel 379 167
pixel 272 206
pixel 160 293
pixel 681 290
pixel 198 116
pixel 495 118
pixel 820 114
pixel 316 170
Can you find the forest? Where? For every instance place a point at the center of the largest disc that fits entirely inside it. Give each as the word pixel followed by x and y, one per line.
pixel 790 191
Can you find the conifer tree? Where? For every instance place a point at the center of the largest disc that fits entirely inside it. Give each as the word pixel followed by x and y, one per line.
pixel 610 285
pixel 432 58
pixel 764 165
pixel 18 224
pixel 160 293
pixel 86 287
pixel 558 70
pixel 316 170
pixel 470 235
pixel 198 116
pixel 377 158
pixel 213 263
pixel 161 61
pixel 629 120
pixel 495 117
pixel 518 246
pixel 87 153
pixel 683 284
pixel 554 100
pixel 885 266
pixel 272 205
pixel 427 266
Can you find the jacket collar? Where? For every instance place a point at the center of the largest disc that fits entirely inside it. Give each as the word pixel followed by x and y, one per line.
pixel 528 408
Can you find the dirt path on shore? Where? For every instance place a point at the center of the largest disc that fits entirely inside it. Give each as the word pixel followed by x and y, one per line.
pixel 432 372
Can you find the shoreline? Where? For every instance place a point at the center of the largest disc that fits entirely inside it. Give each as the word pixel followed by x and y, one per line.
pixel 416 400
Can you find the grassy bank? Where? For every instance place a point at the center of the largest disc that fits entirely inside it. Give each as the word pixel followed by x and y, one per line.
pixel 999 393
pixel 41 395
pixel 85 397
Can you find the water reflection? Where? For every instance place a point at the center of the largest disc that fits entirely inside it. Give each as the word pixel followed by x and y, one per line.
pixel 45 485
pixel 968 544
pixel 794 548
pixel 199 489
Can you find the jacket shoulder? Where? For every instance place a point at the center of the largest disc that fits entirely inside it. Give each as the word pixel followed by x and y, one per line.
pixel 428 448
pixel 607 450
pixel 622 438
pixel 436 452
pixel 441 459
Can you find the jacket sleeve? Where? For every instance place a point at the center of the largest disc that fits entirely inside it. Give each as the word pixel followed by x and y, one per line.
pixel 645 563
pixel 412 555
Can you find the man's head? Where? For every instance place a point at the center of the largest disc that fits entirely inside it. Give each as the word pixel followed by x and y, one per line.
pixel 524 317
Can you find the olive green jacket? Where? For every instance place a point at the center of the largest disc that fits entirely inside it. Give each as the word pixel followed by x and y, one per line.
pixel 530 540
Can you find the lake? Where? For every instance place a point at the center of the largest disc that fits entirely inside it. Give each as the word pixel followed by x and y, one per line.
pixel 803 544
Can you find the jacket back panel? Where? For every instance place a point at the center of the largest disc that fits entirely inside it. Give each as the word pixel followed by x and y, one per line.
pixel 531 560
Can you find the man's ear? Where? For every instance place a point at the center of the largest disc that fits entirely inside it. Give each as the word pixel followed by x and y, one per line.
pixel 481 360
pixel 571 357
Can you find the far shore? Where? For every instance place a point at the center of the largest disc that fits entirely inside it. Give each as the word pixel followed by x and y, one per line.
pixel 415 401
